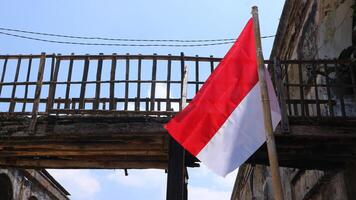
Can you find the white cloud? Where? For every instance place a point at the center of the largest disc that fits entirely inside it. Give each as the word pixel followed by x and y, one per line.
pixel 81 184
pixel 207 194
pixel 161 92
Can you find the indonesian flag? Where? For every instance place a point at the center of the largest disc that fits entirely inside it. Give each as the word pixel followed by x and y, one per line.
pixel 223 125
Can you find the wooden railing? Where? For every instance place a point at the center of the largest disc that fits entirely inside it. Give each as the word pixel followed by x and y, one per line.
pixel 316 88
pixel 43 84
pixel 98 83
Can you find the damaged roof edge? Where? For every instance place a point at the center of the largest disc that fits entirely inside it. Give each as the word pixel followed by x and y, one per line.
pixel 54 181
pixel 282 26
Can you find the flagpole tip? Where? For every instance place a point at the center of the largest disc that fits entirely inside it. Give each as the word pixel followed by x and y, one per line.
pixel 254 9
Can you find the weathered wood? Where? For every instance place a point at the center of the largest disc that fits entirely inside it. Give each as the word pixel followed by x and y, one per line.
pixel 340 96
pixel 12 101
pixel 176 172
pixel 3 73
pixel 197 74
pixel 139 69
pixel 211 64
pixel 153 84
pixel 26 86
pixel 84 83
pixel 281 95
pixel 286 77
pixel 182 69
pixel 69 78
pixel 127 77
pixel 97 85
pixel 52 152
pixel 112 105
pixel 169 72
pixel 53 86
pixel 184 87
pixel 315 76
pixel 36 103
pixel 303 107
pixel 81 164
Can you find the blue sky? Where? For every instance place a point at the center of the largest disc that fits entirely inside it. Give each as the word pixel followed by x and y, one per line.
pixel 155 19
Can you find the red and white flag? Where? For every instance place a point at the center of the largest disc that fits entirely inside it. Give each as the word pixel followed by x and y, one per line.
pixel 223 125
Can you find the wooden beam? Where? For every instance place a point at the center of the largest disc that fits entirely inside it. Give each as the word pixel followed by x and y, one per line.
pixel 176 172
pixel 31 163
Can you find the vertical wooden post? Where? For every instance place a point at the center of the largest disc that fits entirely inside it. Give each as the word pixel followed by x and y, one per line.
pixel 127 77
pixel 271 146
pixel 177 173
pixel 281 95
pixel 12 101
pixel 37 94
pixel 98 82
pixel 69 79
pixel 153 84
pixel 26 86
pixel 168 94
pixel 3 74
pixel 84 83
pixel 53 84
pixel 112 104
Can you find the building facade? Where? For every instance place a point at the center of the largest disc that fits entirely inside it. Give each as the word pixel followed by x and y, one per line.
pixel 29 184
pixel 311 30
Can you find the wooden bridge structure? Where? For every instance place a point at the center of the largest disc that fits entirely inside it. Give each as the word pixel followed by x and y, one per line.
pixel 108 111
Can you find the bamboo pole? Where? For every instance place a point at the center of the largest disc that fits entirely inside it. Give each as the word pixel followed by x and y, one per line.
pixel 271 145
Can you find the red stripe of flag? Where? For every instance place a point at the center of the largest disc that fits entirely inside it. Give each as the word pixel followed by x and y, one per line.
pixel 226 87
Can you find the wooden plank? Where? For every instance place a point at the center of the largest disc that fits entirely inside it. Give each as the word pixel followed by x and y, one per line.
pixel 112 84
pixel 12 101
pixel 303 107
pixel 138 93
pixel 26 86
pixel 53 85
pixel 110 152
pixel 168 93
pixel 184 87
pixel 135 57
pixel 36 103
pixel 98 79
pixel 182 66
pixel 83 84
pixel 53 63
pixel 69 79
pixel 211 64
pixel 286 77
pixel 327 81
pixel 127 76
pixel 81 164
pixel 281 95
pixel 317 104
pixel 197 74
pixel 3 74
pixel 340 96
pixel 176 172
pixel 153 83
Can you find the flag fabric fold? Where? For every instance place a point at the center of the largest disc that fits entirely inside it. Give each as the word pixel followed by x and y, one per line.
pixel 223 125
